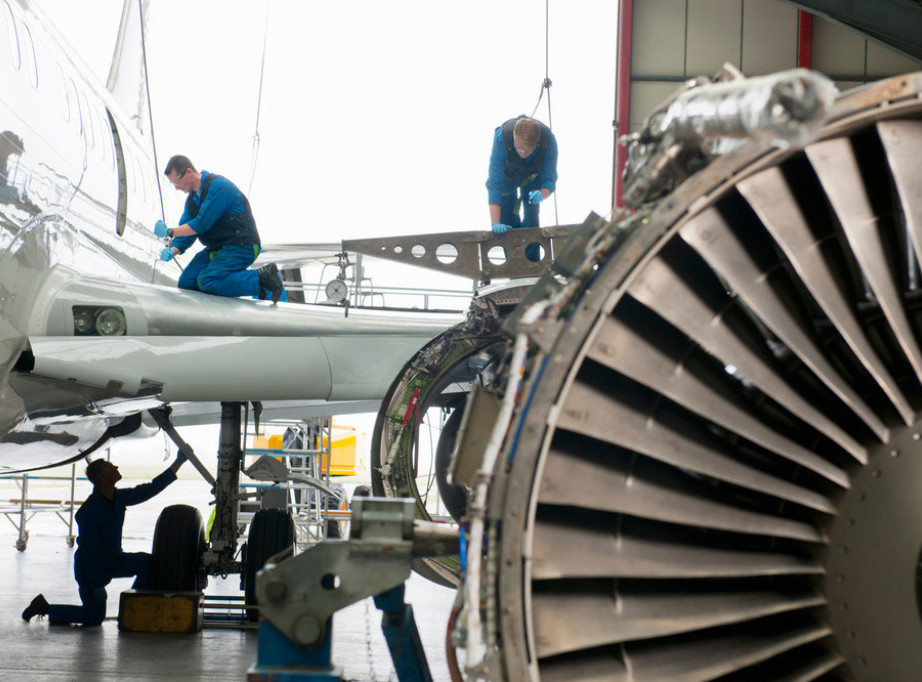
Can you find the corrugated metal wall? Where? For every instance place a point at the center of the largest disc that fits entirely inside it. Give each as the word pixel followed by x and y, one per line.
pixel 674 40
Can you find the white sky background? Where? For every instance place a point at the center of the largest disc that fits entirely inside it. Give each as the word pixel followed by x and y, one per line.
pixel 377 117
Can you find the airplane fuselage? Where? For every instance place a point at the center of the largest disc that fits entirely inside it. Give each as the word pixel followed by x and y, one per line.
pixel 92 326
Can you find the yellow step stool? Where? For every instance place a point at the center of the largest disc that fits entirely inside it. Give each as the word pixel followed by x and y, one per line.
pixel 150 611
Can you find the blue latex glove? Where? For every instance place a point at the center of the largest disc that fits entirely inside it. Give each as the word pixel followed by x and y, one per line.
pixel 167 253
pixel 535 196
pixel 499 228
pixel 160 229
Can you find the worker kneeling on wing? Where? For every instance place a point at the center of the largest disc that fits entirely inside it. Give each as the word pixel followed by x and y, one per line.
pixel 99 557
pixel 219 216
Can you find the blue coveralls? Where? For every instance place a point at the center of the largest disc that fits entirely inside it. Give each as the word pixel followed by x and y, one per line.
pixel 221 271
pixel 99 557
pixel 510 193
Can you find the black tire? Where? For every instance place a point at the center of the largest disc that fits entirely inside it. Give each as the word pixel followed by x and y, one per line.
pixel 271 531
pixel 179 540
pixel 338 502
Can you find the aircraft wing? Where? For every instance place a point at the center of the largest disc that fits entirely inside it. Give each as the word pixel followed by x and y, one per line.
pixel 73 382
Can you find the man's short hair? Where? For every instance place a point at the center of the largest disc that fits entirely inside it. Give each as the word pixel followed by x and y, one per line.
pixel 528 131
pixel 94 470
pixel 13 140
pixel 180 164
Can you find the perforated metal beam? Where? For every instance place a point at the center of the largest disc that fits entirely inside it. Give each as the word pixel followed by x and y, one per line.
pixel 478 255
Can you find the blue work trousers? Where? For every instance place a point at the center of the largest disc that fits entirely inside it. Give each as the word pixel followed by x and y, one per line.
pixel 92 589
pixel 223 272
pixel 509 215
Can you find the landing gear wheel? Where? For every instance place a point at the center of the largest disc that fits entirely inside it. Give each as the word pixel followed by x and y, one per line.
pixel 271 531
pixel 179 540
pixel 336 527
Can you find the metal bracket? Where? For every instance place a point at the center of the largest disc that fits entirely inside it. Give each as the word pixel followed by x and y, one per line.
pixel 161 415
pixel 299 595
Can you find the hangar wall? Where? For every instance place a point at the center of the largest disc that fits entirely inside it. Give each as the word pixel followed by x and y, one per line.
pixel 669 41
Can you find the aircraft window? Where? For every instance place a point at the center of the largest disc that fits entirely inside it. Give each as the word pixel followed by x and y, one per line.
pixel 65 94
pixel 72 96
pixel 29 56
pixel 7 16
pixel 88 127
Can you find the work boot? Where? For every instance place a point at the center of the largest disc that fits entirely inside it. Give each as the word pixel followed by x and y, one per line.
pixel 269 281
pixel 37 607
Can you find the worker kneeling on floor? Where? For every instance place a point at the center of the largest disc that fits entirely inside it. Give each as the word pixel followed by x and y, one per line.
pixel 99 557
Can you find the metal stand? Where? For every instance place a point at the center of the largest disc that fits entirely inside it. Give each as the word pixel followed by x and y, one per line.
pixel 25 507
pixel 299 596
pixel 402 636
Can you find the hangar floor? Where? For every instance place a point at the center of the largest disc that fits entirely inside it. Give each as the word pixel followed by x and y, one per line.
pixel 35 651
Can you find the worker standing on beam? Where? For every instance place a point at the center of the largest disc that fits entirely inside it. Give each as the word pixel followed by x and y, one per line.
pixel 523 172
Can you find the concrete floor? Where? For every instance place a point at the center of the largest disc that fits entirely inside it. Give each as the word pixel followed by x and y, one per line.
pixel 35 651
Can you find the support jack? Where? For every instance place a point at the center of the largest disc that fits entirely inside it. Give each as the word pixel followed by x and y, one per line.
pixel 299 596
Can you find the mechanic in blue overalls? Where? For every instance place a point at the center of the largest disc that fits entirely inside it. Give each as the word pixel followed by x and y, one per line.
pixel 99 557
pixel 523 172
pixel 219 216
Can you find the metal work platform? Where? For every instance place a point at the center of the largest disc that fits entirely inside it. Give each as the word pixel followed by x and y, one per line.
pixel 20 510
pixel 318 506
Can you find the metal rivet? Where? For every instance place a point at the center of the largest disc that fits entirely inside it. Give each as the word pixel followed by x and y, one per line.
pixel 875 473
pixel 894 453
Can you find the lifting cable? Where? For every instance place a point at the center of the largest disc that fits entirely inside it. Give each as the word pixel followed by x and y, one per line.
pixel 153 140
pixel 546 85
pixel 259 102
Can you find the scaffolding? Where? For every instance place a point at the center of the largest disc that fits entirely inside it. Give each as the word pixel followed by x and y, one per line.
pixel 318 506
pixel 20 510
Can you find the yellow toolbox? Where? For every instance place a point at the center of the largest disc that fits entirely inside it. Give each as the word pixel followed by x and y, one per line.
pixel 150 611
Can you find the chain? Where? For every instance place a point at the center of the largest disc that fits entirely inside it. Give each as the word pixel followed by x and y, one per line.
pixel 371 662
pixel 372 676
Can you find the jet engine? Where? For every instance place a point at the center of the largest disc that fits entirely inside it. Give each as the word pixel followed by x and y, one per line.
pixel 711 467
